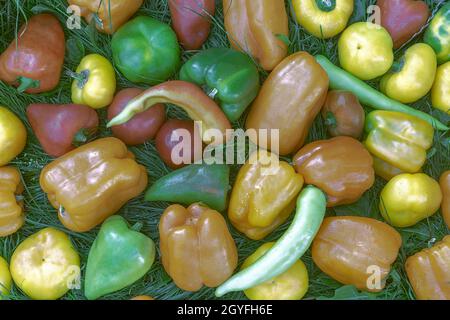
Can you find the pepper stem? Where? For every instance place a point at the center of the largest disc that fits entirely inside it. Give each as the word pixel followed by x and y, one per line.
pixel 82 136
pixel 212 93
pixel 397 66
pixel 82 78
pixel 326 5
pixel 137 226
pixel 19 197
pixel 27 83
pixel 330 120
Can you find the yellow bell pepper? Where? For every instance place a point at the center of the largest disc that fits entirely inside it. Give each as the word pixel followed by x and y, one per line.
pixel 13 136
pixel 440 93
pixel 385 170
pixel 91 183
pixel 413 76
pixel 5 278
pixel 323 18
pixel 45 265
pixel 290 285
pixel 408 198
pixel 11 204
pixel 94 82
pixel 264 195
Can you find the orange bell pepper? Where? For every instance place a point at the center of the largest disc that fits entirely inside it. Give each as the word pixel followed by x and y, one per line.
pixel 11 205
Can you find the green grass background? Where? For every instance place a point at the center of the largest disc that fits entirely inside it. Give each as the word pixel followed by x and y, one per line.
pixel 157 283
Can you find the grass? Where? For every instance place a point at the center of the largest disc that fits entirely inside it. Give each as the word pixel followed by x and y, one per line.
pixel 157 283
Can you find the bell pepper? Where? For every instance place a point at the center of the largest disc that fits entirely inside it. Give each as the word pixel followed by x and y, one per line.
pixel 35 61
pixel 195 183
pixel 342 80
pixel 343 114
pixel 258 28
pixel 365 50
pixel 323 18
pixel 108 15
pixel 5 278
pixel 185 95
pixel 412 77
pixel 409 198
pixel 45 265
pixel 289 100
pixel 444 182
pixel 384 169
pixel 61 128
pixel 142 127
pixel 346 247
pixel 341 167
pixel 196 247
pixel 118 257
pixel 146 51
pixel 227 75
pixel 440 93
pixel 428 273
pixel 403 18
pixel 191 20
pixel 13 136
pixel 437 34
pixel 260 202
pixel 175 148
pixel 290 285
pixel 11 205
pixel 399 139
pixel 92 182
pixel 94 82
pixel 311 208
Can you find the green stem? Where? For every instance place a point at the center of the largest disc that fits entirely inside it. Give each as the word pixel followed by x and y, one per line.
pixel 82 136
pixel 326 5
pixel 330 120
pixel 19 198
pixel 82 78
pixel 27 83
pixel 397 66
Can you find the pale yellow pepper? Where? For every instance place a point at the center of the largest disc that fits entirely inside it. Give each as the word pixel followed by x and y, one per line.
pixel 5 278
pixel 440 93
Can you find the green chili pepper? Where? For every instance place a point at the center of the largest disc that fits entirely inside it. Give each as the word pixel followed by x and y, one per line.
pixel 227 75
pixel 208 184
pixel 342 80
pixel 311 208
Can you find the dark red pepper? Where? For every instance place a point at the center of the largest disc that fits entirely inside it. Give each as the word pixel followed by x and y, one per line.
pixel 61 128
pixel 191 21
pixel 143 126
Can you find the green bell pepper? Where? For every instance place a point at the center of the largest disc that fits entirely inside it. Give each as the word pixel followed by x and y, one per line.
pixel 438 34
pixel 118 257
pixel 208 184
pixel 227 75
pixel 311 208
pixel 146 51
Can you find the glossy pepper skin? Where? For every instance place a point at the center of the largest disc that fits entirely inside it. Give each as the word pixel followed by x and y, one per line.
pixel 409 198
pixel 196 247
pixel 365 50
pixel 146 51
pixel 262 200
pixel 403 18
pixel 92 182
pixel 384 169
pixel 255 27
pixel 13 136
pixel 345 247
pixel 35 64
pixel 45 264
pixel 414 75
pixel 228 76
pixel 5 278
pixel 94 82
pixel 118 257
pixel 289 100
pixel 290 285
pixel 191 20
pixel 322 18
pixel 108 15
pixel 399 139
pixel 195 183
pixel 341 167
pixel 185 95
pixel 61 128
pixel 142 127
pixel 444 182
pixel 428 273
pixel 440 93
pixel 437 34
pixel 11 206
pixel 343 114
